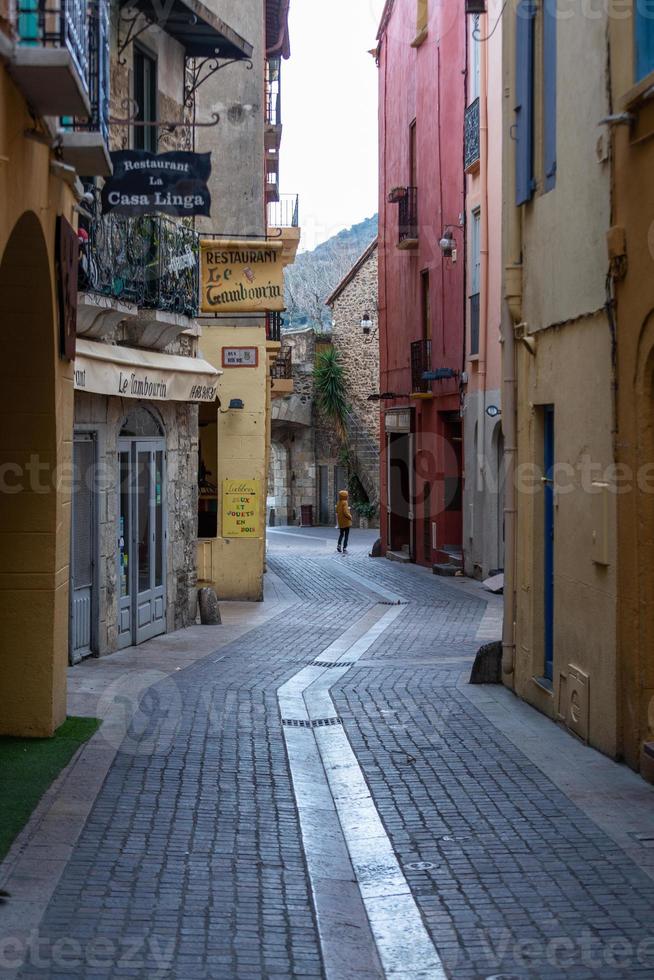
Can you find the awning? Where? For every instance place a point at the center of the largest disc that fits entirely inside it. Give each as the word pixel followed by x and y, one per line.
pixel 130 373
pixel 202 33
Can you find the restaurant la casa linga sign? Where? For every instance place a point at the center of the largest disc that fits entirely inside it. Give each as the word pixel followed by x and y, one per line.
pixel 241 276
pixel 174 183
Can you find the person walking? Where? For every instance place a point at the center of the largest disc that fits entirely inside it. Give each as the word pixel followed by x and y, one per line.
pixel 344 519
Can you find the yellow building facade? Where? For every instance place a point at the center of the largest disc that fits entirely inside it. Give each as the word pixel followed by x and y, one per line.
pixel 36 410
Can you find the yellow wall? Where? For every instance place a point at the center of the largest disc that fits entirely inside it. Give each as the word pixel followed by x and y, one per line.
pixel 234 567
pixel 36 411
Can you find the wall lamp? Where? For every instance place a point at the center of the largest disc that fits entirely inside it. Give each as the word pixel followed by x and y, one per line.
pixel 447 244
pixel 234 404
pixel 366 323
pixel 493 411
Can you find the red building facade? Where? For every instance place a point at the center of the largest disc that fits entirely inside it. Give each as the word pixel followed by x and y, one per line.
pixel 422 87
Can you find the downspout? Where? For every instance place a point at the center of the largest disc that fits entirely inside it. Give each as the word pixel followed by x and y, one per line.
pixel 511 315
pixel 283 30
pixel 483 254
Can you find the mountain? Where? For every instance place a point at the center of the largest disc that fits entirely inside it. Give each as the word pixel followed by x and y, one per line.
pixel 314 275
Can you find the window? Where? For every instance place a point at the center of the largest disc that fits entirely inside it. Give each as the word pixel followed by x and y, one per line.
pixel 425 304
pixel 474 61
pixel 475 277
pixel 145 96
pixel 413 163
pixel 549 93
pixel 644 39
pixel 524 105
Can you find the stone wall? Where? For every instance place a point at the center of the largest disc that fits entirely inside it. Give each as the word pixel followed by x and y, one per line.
pixel 359 352
pixel 104 416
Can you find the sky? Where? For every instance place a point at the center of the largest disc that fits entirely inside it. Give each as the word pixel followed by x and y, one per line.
pixel 329 115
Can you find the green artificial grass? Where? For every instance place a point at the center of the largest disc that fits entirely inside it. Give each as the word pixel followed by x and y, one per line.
pixel 28 766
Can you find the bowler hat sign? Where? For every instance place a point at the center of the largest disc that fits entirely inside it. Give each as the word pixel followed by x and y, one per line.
pixel 171 183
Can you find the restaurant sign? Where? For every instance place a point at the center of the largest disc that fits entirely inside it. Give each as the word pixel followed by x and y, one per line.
pixel 170 183
pixel 241 276
pixel 241 518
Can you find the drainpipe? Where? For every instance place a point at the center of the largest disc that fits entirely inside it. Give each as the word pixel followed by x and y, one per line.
pixel 483 253
pixel 511 315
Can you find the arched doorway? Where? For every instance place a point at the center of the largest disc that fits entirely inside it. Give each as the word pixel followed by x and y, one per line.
pixel 142 527
pixel 33 522
pixel 279 485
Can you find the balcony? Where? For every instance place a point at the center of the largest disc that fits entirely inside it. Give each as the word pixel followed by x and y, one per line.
pixel 281 373
pixel 50 63
pixel 273 128
pixel 85 143
pixel 284 223
pixel 471 137
pixel 408 218
pixel 140 269
pixel 420 364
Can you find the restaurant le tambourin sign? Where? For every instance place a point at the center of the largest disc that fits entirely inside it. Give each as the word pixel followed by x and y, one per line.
pixel 241 276
pixel 174 183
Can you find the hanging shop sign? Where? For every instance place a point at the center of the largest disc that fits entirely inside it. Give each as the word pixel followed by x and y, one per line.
pixel 241 276
pixel 241 516
pixel 170 183
pixel 131 373
pixel 240 356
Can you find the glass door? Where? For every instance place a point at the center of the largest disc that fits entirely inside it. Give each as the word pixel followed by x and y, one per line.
pixel 141 541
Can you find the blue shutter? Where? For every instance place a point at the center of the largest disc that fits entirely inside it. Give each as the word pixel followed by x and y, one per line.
pixel 549 92
pixel 524 107
pixel 644 27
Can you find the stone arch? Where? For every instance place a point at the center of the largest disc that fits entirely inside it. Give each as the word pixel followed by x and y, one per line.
pixel 34 545
pixel 142 421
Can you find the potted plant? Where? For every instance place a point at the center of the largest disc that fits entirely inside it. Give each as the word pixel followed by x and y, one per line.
pixel 396 194
pixel 366 512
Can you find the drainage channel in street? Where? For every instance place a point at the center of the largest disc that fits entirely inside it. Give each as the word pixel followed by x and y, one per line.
pixel 368 922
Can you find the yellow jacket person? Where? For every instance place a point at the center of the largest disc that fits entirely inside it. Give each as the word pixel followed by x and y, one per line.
pixel 344 519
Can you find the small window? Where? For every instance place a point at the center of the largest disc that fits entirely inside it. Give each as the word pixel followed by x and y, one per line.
pixel 474 60
pixel 425 305
pixel 644 39
pixel 145 96
pixel 475 279
pixel 413 156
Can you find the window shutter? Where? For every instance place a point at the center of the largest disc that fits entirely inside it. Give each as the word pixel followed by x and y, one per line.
pixel 549 92
pixel 644 27
pixel 524 108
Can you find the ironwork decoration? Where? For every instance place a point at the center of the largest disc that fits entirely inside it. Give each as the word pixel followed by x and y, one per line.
pixel 131 32
pixel 171 183
pixel 408 215
pixel 471 135
pixel 196 78
pixel 148 260
pixel 420 364
pixel 67 246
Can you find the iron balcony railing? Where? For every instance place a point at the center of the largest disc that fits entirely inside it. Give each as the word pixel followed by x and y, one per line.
pixel 284 213
pixel 274 327
pixel 57 24
pixel 282 366
pixel 149 260
pixel 420 363
pixel 98 121
pixel 471 135
pixel 273 92
pixel 474 323
pixel 408 214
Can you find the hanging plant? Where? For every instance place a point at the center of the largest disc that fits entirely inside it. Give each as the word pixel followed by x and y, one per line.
pixel 330 390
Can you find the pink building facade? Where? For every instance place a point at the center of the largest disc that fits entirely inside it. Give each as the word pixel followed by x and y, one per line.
pixel 422 265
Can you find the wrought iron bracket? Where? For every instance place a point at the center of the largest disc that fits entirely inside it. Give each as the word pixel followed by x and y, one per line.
pixel 194 71
pixel 167 124
pixel 131 31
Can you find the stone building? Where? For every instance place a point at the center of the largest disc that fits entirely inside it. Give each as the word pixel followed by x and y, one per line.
pixel 308 463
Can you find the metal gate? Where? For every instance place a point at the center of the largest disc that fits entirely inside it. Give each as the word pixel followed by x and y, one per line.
pixel 83 540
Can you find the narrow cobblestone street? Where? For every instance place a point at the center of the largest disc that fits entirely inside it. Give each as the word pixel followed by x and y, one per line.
pixel 314 790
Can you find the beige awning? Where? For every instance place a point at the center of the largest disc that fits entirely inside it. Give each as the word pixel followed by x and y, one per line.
pixel 131 373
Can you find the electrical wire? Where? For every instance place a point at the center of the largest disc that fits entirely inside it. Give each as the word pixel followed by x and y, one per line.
pixel 482 40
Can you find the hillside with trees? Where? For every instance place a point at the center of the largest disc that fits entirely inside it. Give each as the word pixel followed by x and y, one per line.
pixel 315 274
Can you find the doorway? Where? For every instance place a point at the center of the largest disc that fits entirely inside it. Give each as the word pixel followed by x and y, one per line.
pixel 83 552
pixel 324 510
pixel 452 518
pixel 400 492
pixel 142 534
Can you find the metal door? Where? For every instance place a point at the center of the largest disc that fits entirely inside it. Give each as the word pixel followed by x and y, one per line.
pixel 548 485
pixel 141 541
pixel 82 557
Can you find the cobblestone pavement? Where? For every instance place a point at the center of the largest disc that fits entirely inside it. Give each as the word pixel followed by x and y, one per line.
pixel 193 860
